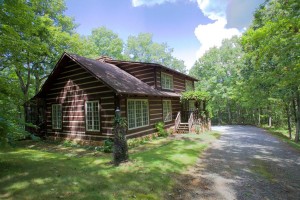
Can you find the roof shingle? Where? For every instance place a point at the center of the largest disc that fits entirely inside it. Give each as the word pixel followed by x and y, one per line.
pixel 119 80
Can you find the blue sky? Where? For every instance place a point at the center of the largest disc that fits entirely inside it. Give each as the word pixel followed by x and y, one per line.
pixel 189 26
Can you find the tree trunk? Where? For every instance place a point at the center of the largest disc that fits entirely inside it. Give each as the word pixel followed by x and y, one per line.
pixel 297 116
pixel 259 123
pixel 270 121
pixel 288 115
pixel 219 117
pixel 229 114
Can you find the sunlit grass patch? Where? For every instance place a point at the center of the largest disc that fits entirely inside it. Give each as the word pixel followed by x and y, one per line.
pixel 261 168
pixel 41 174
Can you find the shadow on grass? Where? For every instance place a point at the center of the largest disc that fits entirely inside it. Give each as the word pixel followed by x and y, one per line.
pixel 34 174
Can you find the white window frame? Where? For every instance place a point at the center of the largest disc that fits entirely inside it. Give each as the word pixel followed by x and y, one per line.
pixel 163 82
pixel 169 117
pixel 56 113
pixel 93 120
pixel 187 82
pixel 135 114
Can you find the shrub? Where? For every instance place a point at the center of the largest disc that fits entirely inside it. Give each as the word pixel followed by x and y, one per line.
pixel 108 145
pixel 160 127
pixel 35 138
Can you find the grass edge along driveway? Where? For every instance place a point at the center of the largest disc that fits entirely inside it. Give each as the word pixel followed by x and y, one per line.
pixel 39 174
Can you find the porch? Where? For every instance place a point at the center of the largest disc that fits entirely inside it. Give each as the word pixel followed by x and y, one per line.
pixel 194 116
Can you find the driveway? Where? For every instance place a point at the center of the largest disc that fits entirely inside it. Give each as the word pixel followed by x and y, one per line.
pixel 245 163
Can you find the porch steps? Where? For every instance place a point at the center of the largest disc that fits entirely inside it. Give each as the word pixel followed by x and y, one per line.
pixel 183 128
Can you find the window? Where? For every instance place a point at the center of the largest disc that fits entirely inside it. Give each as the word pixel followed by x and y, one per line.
pixel 92 116
pixel 137 113
pixel 166 81
pixel 189 85
pixel 56 116
pixel 167 110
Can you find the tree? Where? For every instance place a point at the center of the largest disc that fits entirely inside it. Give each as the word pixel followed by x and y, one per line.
pixel 105 42
pixel 272 48
pixel 220 68
pixel 142 48
pixel 33 34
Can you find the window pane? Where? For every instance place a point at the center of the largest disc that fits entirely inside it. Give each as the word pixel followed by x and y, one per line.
pixel 167 110
pixel 145 113
pixel 131 114
pixel 137 111
pixel 167 81
pixel 56 116
pixel 138 115
pixel 92 116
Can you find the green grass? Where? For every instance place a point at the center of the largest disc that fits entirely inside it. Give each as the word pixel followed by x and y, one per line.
pixel 33 172
pixel 284 136
pixel 261 167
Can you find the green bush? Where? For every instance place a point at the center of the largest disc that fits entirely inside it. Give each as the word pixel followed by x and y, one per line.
pixel 160 127
pixel 108 145
pixel 35 138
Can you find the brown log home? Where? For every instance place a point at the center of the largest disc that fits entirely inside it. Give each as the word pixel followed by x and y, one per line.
pixel 80 96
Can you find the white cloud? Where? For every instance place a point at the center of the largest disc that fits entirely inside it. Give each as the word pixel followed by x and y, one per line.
pixel 212 34
pixel 136 3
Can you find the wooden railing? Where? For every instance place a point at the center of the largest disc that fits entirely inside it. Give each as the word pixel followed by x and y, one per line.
pixel 177 121
pixel 191 121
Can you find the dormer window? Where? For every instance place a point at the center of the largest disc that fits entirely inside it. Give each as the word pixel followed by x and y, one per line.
pixel 166 81
pixel 189 85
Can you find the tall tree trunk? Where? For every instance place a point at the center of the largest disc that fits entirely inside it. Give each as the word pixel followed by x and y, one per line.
pixel 297 116
pixel 288 115
pixel 229 114
pixel 259 123
pixel 219 117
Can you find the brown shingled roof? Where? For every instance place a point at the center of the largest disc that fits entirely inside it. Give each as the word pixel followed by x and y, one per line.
pixel 128 63
pixel 114 77
pixel 119 80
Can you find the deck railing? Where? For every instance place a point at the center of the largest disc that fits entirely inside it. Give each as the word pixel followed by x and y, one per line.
pixel 191 121
pixel 177 121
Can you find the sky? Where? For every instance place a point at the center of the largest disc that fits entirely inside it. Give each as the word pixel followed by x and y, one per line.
pixel 190 27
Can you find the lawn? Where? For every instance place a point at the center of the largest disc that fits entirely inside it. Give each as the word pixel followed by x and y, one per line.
pixel 45 171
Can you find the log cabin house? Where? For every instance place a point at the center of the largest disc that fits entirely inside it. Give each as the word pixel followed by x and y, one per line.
pixel 80 96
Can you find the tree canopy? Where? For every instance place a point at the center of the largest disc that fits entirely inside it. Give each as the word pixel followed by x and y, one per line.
pixel 255 79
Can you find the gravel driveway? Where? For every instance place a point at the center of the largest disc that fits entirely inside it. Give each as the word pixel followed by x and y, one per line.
pixel 245 163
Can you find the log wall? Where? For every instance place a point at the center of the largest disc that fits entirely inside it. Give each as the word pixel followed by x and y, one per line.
pixel 142 72
pixel 155 114
pixel 72 87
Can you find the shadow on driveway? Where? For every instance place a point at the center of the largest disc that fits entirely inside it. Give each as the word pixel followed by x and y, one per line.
pixel 245 163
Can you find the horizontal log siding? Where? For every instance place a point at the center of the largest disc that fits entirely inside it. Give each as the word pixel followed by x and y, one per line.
pixel 155 114
pixel 144 73
pixel 178 81
pixel 72 87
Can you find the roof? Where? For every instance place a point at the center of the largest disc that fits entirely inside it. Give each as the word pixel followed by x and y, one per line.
pixel 117 62
pixel 119 80
pixel 112 76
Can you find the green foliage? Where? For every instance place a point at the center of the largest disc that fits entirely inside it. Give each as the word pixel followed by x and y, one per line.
pixel 108 146
pixel 105 42
pixel 272 54
pixel 195 95
pixel 35 138
pixel 120 148
pixel 160 127
pixel 142 48
pixel 3 132
pixel 219 73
